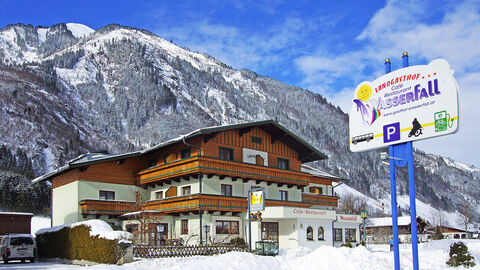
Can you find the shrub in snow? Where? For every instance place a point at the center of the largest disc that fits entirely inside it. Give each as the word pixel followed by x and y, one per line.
pixel 92 240
pixel 459 255
pixel 348 244
pixel 238 242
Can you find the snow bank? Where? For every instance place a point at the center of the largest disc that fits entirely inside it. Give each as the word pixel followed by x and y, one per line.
pixel 39 223
pixel 97 228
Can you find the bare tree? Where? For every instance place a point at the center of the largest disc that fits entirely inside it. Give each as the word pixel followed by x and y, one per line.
pixel 351 204
pixel 438 218
pixel 467 215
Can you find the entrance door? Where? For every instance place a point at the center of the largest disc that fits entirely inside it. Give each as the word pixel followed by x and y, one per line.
pixel 158 234
pixel 270 231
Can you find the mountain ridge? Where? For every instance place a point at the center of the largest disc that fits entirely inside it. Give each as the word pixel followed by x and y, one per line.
pixel 122 89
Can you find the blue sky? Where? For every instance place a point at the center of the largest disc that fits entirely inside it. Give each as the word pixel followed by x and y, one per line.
pixel 325 46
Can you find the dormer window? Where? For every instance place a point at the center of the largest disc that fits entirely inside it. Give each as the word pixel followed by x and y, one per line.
pixel 186 153
pixel 283 164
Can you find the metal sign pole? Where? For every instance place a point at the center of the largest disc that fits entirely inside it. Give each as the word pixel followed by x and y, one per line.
pixel 411 186
pixel 393 192
pixel 249 224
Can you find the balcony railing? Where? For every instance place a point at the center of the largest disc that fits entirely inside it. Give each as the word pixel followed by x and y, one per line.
pixel 207 165
pixel 204 202
pixel 316 199
pixel 106 207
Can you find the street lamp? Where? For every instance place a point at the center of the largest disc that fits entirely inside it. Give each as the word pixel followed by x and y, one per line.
pixel 363 214
pixel 206 229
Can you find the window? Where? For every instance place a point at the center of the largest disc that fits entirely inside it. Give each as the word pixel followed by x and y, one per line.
pixel 186 153
pixel 321 233
pixel 152 163
pixel 256 140
pixel 165 158
pixel 309 233
pixel 283 163
pixel 106 195
pixel 225 153
pixel 226 227
pixel 184 225
pixel 283 195
pixel 158 195
pixel 186 190
pixel 316 190
pixel 337 235
pixel 350 235
pixel 270 231
pixel 226 190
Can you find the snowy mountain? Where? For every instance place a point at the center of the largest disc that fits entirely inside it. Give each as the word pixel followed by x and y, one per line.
pixel 67 89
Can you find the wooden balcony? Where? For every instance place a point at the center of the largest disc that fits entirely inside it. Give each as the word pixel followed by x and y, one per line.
pixel 207 165
pixel 316 199
pixel 204 202
pixel 106 207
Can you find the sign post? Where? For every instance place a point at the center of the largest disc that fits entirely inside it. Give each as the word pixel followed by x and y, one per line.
pixel 412 103
pixel 256 202
pixel 363 214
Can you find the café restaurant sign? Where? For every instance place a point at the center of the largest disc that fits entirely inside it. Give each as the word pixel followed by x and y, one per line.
pixel 408 104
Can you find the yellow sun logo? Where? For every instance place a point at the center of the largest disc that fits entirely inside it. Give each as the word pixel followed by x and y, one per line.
pixel 364 92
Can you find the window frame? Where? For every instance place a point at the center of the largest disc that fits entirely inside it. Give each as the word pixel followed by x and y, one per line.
pixel 224 150
pixel 322 238
pixel 281 193
pixel 283 163
pixel 348 235
pixel 256 140
pixel 106 197
pixel 311 233
pixel 186 153
pixel 184 188
pixel 337 237
pixel 225 229
pixel 184 226
pixel 222 189
pixel 156 195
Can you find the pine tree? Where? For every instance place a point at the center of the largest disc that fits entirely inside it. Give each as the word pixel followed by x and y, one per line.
pixel 459 255
pixel 437 233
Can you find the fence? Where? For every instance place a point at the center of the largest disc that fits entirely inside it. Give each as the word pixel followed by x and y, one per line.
pixel 183 251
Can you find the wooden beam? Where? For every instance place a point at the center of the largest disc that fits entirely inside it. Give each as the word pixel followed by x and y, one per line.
pixel 258 182
pixel 194 176
pixel 234 179
pixel 221 177
pixel 208 137
pixel 168 182
pixel 245 180
pixel 280 184
pixel 269 183
pixel 210 175
pixel 222 213
pixel 97 216
pixel 243 131
pixel 290 186
pixel 176 179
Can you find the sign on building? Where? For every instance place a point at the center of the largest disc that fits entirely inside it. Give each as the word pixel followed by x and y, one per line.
pixel 412 103
pixel 256 200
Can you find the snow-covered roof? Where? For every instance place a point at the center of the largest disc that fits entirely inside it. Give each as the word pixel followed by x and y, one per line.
pixel 319 173
pixel 387 221
pixel 16 213
pixel 82 160
pixel 97 228
pixel 90 158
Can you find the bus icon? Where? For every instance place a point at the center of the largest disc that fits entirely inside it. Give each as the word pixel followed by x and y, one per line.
pixel 362 138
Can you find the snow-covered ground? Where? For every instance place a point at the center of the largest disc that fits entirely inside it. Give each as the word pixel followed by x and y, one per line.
pixel 38 223
pixel 433 255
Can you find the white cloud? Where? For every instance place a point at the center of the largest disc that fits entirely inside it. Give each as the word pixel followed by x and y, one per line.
pixel 401 26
